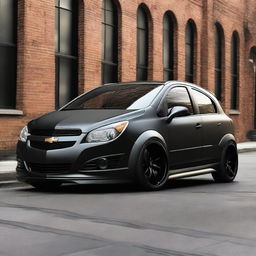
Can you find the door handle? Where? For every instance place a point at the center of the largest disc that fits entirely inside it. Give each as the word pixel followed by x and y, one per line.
pixel 219 124
pixel 198 126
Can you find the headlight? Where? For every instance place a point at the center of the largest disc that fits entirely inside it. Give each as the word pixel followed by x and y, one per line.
pixel 24 134
pixel 106 133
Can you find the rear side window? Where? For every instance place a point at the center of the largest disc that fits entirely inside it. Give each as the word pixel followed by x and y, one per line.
pixel 205 104
pixel 178 96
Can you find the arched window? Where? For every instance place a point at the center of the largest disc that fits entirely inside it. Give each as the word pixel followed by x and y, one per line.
pixel 234 70
pixel 142 44
pixel 110 42
pixel 168 46
pixel 218 60
pixel 190 54
pixel 66 20
pixel 8 52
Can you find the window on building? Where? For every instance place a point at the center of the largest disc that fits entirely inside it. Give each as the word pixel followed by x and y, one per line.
pixel 178 96
pixel 234 71
pixel 205 104
pixel 142 44
pixel 8 52
pixel 66 50
pixel 168 47
pixel 190 54
pixel 110 42
pixel 218 60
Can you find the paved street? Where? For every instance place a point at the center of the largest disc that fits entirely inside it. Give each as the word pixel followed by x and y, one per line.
pixel 191 217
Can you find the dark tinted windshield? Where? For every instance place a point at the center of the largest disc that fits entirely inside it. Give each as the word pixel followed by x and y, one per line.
pixel 130 96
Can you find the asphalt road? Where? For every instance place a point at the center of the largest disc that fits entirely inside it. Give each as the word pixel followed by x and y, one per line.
pixel 191 217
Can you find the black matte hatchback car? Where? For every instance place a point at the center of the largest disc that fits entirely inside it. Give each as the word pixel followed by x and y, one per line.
pixel 140 131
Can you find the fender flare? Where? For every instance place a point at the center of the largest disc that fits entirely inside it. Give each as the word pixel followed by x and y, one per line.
pixel 149 137
pixel 226 139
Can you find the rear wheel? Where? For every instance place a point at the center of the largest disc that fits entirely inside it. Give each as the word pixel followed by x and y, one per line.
pixel 46 185
pixel 152 167
pixel 227 170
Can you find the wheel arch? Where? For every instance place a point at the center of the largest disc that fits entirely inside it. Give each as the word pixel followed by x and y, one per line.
pixel 149 137
pixel 227 139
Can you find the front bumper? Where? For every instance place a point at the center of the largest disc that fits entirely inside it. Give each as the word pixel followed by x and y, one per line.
pixel 118 176
pixel 82 163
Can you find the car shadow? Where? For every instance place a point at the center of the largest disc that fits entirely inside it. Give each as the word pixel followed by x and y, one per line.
pixel 122 188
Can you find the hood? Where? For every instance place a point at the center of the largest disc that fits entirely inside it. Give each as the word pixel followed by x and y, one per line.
pixel 85 120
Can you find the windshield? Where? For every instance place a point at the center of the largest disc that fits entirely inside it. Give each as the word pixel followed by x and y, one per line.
pixel 129 96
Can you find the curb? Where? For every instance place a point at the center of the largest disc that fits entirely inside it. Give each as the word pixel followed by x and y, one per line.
pixel 245 150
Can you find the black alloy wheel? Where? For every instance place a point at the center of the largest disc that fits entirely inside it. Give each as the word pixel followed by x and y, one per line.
pixel 153 167
pixel 231 164
pixel 228 168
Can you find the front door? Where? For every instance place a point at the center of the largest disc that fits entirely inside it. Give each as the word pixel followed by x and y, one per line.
pixel 184 133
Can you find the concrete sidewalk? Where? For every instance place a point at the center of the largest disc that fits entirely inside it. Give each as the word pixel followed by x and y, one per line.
pixel 7 168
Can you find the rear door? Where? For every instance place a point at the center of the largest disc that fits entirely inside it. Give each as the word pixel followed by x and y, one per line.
pixel 212 125
pixel 184 135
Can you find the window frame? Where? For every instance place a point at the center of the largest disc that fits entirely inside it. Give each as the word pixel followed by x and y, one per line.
pixel 73 56
pixel 235 71
pixel 196 103
pixel 218 62
pixel 114 42
pixel 189 95
pixel 11 45
pixel 145 68
pixel 170 32
pixel 191 43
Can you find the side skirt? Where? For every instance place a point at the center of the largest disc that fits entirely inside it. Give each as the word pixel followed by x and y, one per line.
pixel 188 172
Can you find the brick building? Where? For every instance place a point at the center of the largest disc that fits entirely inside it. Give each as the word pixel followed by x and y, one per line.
pixel 50 51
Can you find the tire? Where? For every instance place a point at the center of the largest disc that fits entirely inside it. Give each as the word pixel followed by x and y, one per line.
pixel 227 170
pixel 152 167
pixel 46 185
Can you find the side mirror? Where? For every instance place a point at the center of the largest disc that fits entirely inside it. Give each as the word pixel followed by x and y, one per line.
pixel 177 111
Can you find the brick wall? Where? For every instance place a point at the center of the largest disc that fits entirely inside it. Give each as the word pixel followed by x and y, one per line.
pixel 36 61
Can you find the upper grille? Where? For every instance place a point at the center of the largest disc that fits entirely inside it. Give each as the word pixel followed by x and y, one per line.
pixel 50 168
pixel 60 132
pixel 51 146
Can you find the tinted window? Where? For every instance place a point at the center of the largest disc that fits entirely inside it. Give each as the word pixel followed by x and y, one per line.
pixel 179 97
pixel 205 104
pixel 110 42
pixel 117 97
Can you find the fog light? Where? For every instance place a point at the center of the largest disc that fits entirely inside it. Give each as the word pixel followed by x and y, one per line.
pixel 102 163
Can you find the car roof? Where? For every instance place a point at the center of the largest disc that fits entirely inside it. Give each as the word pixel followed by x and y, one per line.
pixel 138 82
pixel 166 83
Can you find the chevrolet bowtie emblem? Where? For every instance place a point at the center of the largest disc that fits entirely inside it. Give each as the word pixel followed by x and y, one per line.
pixel 51 139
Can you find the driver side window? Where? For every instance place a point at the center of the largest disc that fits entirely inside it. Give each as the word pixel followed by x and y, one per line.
pixel 179 96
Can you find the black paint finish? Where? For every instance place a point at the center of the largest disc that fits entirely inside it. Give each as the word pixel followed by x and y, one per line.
pixel 189 141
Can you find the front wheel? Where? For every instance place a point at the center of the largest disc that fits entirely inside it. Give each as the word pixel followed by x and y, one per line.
pixel 227 170
pixel 152 167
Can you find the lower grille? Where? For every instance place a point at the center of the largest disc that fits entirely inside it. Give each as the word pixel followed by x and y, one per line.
pixel 51 146
pixel 50 168
pixel 113 162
